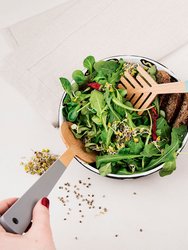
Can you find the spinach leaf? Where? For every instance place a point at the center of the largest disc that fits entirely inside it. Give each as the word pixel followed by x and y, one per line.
pixel 96 120
pixel 123 171
pixel 75 87
pixel 97 102
pixel 104 119
pixel 106 136
pixel 106 67
pixel 66 85
pixel 105 169
pixel 150 150
pixel 100 78
pixel 114 158
pixel 73 113
pixel 79 77
pixel 152 71
pixel 124 151
pixel 114 77
pixel 169 166
pixel 169 150
pixel 135 147
pixel 181 133
pixel 88 63
pixel 163 129
pixel 113 114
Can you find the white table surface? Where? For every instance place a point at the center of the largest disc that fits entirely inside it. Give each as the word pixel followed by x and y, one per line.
pixel 159 206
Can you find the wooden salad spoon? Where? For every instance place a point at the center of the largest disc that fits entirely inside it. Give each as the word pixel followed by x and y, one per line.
pixel 18 217
pixel 75 147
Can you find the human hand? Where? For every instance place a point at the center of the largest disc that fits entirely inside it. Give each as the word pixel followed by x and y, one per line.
pixel 38 237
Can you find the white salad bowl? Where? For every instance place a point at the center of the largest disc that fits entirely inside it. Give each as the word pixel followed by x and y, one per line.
pixel 132 59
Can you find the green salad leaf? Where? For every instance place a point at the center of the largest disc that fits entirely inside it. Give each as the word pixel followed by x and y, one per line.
pixel 88 63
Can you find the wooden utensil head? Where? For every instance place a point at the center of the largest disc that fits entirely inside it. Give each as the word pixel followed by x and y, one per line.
pixel 140 91
pixel 76 146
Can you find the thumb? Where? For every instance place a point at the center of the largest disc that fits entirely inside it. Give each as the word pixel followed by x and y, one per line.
pixel 41 217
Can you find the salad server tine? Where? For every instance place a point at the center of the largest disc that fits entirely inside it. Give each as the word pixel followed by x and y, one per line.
pixel 143 90
pixel 18 217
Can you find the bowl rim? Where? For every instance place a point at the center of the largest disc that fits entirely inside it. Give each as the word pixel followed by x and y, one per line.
pixel 131 176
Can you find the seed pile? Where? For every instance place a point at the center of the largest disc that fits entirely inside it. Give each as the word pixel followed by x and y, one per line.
pixel 86 199
pixel 40 162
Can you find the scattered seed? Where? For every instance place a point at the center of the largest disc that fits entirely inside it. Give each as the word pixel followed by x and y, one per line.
pixel 80 221
pixel 80 181
pixel 141 230
pixel 116 235
pixel 89 178
pixel 99 207
pixel 105 209
pixel 76 238
pixel 134 193
pixel 65 218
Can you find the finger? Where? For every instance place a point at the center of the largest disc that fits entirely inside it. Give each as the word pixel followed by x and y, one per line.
pixel 6 204
pixel 41 218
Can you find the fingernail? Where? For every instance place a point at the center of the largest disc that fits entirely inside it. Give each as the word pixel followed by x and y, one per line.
pixel 45 202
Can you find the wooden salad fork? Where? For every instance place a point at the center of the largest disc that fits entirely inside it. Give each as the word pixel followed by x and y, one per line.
pixel 143 90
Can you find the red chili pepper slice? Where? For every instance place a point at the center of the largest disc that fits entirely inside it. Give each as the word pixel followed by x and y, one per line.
pixel 154 117
pixel 94 85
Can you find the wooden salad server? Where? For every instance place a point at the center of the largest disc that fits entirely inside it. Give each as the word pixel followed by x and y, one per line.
pixel 18 217
pixel 143 90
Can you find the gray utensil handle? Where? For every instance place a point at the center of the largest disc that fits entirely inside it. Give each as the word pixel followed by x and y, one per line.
pixel 18 217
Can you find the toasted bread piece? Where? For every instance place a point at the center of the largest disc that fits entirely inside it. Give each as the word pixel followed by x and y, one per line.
pixel 171 103
pixel 163 77
pixel 182 117
pixel 173 107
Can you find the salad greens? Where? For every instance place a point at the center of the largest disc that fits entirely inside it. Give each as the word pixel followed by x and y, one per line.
pixel 107 123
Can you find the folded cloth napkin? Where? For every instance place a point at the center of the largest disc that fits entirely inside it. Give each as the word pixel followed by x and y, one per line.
pixel 102 28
